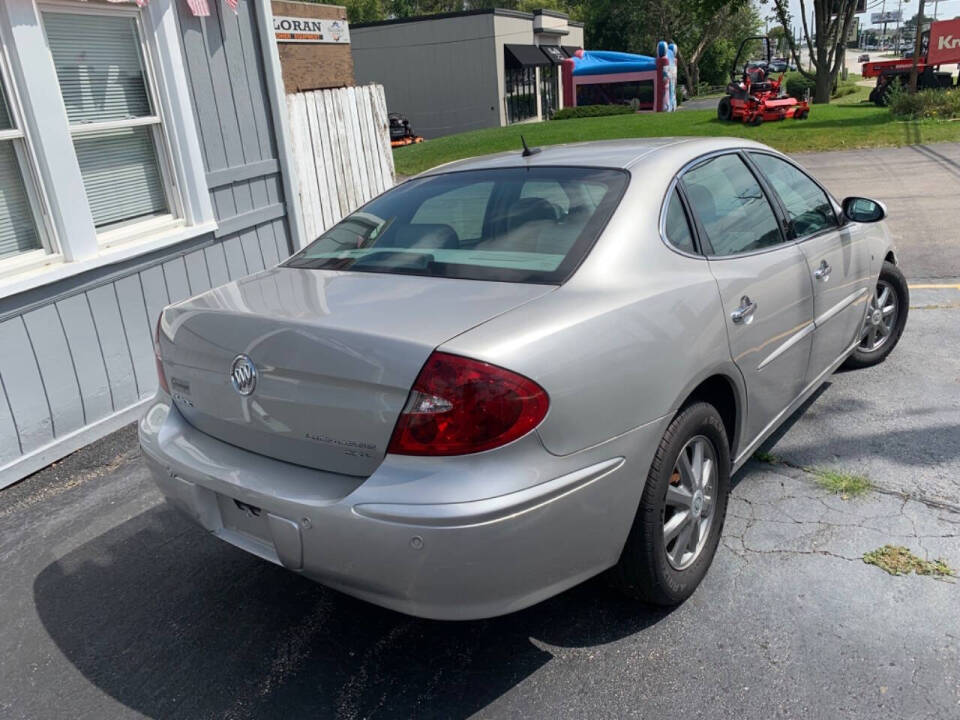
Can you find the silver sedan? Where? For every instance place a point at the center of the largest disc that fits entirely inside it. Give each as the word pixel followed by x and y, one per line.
pixel 515 372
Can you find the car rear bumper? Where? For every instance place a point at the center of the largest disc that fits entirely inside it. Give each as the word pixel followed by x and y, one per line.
pixel 445 538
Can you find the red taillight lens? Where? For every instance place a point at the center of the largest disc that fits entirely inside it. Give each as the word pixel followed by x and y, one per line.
pixel 459 406
pixel 161 378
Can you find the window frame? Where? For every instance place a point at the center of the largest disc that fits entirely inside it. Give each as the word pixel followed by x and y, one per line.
pixel 22 142
pixel 834 206
pixel 74 244
pixel 774 202
pixel 122 231
pixel 676 185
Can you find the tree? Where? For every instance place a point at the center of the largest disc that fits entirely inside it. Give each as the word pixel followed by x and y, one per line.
pixel 829 29
pixel 698 27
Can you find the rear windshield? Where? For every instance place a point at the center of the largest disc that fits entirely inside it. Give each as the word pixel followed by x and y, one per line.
pixel 509 224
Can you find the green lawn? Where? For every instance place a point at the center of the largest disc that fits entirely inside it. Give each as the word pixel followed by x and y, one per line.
pixel 849 122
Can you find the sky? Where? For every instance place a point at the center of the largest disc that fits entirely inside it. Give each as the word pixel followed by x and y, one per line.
pixel 945 10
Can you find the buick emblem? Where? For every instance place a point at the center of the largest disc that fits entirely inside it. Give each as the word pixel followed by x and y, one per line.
pixel 243 375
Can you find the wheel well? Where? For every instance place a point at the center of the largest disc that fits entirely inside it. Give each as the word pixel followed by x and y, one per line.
pixel 890 258
pixel 719 392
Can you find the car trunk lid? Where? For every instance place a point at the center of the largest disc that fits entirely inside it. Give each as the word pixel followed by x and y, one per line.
pixel 335 355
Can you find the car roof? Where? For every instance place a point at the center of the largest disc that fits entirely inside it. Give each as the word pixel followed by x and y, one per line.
pixel 624 154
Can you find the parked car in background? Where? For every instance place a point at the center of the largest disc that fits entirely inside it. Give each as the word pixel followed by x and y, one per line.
pixel 864 57
pixel 514 372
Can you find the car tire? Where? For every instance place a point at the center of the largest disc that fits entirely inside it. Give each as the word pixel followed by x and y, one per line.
pixel 724 109
pixel 880 335
pixel 653 567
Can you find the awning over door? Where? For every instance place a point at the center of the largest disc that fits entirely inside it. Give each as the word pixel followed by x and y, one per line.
pixel 524 56
pixel 556 55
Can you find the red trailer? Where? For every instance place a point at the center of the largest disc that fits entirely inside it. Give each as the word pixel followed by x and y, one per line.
pixel 939 45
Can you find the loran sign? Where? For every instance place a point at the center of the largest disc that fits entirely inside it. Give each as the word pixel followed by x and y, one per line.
pixel 310 30
pixel 944 42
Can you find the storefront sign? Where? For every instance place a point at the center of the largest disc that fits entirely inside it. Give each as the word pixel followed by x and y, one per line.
pixel 310 30
pixel 944 42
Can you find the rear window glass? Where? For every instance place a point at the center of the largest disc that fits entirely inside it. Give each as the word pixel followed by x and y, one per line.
pixel 507 224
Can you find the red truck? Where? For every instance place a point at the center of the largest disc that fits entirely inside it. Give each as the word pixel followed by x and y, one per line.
pixel 938 45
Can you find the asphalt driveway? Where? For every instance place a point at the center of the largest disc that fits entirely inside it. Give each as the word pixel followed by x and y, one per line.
pixel 114 606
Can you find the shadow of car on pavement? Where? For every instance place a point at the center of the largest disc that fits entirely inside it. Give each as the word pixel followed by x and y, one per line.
pixel 172 622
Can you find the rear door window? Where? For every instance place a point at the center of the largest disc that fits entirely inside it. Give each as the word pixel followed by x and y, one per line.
pixel 510 224
pixel 731 206
pixel 807 205
pixel 676 227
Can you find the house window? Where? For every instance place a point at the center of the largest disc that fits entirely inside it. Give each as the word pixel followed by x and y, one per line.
pixel 116 129
pixel 19 231
pixel 521 93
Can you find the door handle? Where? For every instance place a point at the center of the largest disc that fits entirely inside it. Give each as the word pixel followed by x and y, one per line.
pixel 744 313
pixel 822 272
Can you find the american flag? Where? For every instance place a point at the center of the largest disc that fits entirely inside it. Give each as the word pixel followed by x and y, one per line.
pixel 199 8
pixel 232 4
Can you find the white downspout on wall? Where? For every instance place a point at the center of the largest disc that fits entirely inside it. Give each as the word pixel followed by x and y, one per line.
pixel 278 110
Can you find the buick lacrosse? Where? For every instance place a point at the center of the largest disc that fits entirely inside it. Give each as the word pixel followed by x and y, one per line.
pixel 515 372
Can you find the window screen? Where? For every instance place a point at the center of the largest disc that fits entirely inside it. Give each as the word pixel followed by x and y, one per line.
pixel 18 230
pixel 807 205
pixel 731 206
pixel 100 68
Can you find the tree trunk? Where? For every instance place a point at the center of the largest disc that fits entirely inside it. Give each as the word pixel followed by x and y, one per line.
pixel 822 88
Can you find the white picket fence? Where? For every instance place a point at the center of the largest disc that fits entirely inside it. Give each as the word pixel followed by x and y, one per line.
pixel 341 140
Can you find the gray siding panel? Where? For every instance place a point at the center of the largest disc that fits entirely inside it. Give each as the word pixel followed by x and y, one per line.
pixel 24 386
pixel 139 333
pixel 77 354
pixel 113 341
pixel 87 357
pixel 217 265
pixel 155 296
pixel 197 274
pixel 9 437
pixel 55 363
pixel 175 273
pixel 236 263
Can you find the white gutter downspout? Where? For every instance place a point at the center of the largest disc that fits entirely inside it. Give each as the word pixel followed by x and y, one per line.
pixel 281 124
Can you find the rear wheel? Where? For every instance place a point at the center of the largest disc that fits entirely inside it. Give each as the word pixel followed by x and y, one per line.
pixel 886 317
pixel 724 109
pixel 758 120
pixel 678 524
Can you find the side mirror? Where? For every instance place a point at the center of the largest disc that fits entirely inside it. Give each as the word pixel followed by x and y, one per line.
pixel 863 210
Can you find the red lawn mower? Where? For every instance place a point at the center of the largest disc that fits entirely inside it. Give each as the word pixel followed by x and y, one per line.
pixel 757 96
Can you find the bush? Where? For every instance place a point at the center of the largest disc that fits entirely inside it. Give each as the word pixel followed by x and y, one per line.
pixel 798 86
pixel 939 104
pixel 583 111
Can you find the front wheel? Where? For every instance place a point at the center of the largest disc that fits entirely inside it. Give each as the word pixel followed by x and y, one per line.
pixel 678 524
pixel 886 317
pixel 724 109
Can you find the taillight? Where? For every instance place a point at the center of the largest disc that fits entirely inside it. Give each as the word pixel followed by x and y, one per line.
pixel 459 406
pixel 161 378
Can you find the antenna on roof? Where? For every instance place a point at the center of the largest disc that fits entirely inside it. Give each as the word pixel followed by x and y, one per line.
pixel 528 151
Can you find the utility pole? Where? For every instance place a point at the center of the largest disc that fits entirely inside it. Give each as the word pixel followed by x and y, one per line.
pixel 916 51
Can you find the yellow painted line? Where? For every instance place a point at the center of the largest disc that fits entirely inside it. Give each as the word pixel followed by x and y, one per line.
pixel 935 286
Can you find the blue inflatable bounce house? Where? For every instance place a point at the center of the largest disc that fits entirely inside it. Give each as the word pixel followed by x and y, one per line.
pixel 605 77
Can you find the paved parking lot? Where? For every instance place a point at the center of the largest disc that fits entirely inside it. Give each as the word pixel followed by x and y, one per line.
pixel 113 606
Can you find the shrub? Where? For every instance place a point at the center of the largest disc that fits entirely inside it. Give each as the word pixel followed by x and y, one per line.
pixel 798 86
pixel 583 111
pixel 938 104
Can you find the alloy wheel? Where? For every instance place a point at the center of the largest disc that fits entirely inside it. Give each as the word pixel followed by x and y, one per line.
pixel 690 503
pixel 881 319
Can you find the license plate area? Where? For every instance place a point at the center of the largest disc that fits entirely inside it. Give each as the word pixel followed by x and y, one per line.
pixel 247 519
